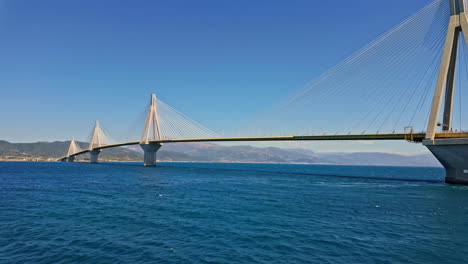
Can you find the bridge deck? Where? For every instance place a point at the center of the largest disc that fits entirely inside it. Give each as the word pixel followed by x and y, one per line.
pixel 417 137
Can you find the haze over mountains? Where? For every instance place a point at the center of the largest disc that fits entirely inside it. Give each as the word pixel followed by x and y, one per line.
pixel 209 152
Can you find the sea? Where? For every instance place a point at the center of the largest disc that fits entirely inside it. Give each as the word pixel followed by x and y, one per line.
pixel 229 213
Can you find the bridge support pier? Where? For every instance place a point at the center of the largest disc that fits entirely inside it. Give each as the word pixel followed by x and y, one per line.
pixel 150 150
pixel 453 154
pixel 71 159
pixel 94 155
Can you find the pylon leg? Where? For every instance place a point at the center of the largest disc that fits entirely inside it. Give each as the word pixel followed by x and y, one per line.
pixel 150 153
pixel 94 155
pixel 453 155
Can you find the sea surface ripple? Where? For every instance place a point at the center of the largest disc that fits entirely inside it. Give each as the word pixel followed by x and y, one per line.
pixel 229 213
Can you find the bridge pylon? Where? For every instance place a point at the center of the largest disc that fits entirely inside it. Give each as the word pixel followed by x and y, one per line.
pixel 96 141
pixel 72 149
pixel 151 134
pixel 452 153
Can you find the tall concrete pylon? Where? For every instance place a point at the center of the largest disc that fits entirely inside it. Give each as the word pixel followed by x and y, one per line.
pixel 458 24
pixel 452 153
pixel 96 141
pixel 72 149
pixel 151 133
pixel 152 130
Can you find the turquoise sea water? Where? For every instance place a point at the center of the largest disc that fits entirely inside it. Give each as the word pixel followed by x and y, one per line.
pixel 251 213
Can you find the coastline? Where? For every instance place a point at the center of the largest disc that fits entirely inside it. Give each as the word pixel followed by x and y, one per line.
pixel 221 162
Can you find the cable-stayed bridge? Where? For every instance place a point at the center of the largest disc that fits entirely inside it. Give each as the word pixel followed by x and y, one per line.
pixel 382 92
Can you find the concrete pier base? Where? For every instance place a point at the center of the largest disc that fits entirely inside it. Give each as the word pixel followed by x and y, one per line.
pixel 453 155
pixel 94 155
pixel 150 153
pixel 71 159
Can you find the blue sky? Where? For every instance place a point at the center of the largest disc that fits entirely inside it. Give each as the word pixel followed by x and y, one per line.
pixel 64 64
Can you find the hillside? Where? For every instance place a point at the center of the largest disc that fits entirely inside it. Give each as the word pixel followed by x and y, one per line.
pixel 56 149
pixel 209 152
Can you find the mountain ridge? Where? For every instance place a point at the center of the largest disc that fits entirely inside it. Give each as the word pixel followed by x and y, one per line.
pixel 211 152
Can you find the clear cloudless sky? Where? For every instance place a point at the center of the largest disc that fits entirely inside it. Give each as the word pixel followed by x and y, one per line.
pixel 64 64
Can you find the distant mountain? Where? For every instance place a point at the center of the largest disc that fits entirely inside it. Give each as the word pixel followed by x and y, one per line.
pixel 215 152
pixel 57 149
pixel 209 152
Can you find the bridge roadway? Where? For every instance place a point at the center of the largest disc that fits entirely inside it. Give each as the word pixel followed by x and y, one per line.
pixel 414 137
